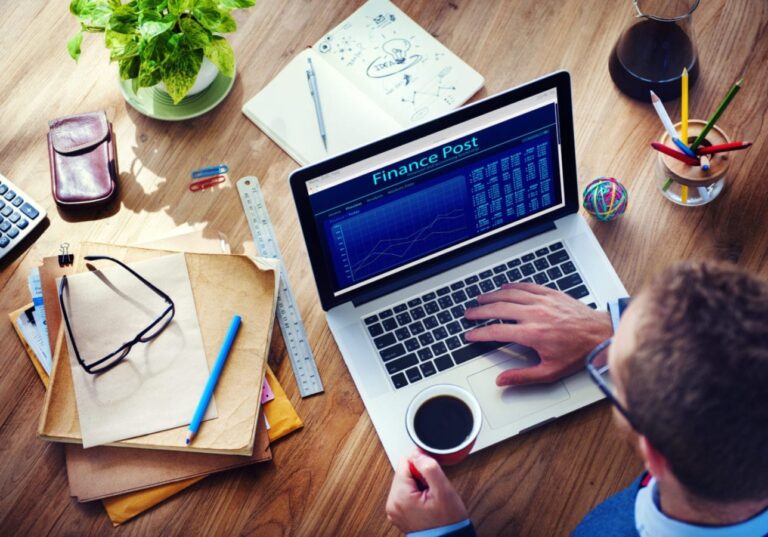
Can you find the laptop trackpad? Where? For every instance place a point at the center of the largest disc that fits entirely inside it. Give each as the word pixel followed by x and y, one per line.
pixel 504 405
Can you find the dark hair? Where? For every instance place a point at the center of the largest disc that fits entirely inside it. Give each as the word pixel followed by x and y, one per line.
pixel 697 382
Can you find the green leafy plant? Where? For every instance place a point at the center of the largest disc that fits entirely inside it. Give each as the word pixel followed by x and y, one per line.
pixel 160 40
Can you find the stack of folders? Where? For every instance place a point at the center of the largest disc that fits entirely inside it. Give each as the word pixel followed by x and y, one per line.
pixel 146 401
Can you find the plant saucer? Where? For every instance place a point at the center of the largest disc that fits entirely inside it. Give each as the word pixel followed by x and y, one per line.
pixel 158 105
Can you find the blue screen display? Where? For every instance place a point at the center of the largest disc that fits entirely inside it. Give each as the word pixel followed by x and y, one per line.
pixel 377 222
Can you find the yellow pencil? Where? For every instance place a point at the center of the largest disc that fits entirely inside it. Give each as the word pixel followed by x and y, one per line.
pixel 684 194
pixel 684 108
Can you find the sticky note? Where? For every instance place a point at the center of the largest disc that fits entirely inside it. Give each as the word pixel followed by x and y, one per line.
pixel 266 393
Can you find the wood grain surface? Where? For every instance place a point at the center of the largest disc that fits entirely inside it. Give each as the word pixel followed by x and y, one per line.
pixel 332 478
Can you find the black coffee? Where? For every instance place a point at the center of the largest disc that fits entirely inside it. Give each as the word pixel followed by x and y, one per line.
pixel 443 422
pixel 651 56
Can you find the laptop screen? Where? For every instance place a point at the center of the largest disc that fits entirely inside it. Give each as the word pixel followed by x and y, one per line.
pixel 406 206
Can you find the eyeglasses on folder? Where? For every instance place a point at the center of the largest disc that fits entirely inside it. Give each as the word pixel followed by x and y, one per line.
pixel 154 329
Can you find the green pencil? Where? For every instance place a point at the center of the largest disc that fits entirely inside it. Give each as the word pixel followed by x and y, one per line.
pixel 720 109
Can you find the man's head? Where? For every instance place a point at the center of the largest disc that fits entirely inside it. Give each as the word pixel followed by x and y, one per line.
pixel 690 362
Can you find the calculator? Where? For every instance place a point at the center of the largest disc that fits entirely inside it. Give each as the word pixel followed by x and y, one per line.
pixel 19 215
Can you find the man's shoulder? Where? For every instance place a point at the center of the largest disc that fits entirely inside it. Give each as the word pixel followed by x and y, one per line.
pixel 614 517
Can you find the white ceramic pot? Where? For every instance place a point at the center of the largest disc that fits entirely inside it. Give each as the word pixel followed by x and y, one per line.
pixel 205 78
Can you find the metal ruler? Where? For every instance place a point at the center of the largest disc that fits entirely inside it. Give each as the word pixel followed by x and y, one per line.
pixel 294 334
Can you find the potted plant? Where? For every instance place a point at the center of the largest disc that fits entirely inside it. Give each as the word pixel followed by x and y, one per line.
pixel 165 41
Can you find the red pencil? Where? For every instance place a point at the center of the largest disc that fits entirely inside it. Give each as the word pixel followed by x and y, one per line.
pixel 675 154
pixel 731 146
pixel 421 483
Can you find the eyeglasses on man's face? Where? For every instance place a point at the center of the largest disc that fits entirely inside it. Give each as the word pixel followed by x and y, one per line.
pixel 150 332
pixel 597 366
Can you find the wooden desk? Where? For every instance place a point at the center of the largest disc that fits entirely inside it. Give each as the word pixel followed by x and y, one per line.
pixel 333 478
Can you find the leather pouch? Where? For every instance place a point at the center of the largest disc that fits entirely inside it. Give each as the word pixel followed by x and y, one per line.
pixel 83 160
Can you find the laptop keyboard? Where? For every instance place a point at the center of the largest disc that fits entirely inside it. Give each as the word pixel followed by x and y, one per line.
pixel 424 335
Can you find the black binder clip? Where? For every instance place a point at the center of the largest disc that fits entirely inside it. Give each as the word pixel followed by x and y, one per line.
pixel 65 258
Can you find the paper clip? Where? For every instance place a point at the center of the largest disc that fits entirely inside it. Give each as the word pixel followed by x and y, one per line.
pixel 211 171
pixel 65 258
pixel 208 182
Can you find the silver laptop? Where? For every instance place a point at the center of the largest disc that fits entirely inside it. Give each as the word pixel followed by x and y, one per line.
pixel 404 234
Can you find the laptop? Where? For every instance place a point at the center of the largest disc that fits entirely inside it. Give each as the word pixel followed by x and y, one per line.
pixel 403 234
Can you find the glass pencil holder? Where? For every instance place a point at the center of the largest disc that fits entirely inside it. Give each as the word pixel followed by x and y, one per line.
pixel 687 185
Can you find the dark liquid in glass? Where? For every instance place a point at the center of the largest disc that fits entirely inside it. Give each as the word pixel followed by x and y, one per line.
pixel 651 56
pixel 443 422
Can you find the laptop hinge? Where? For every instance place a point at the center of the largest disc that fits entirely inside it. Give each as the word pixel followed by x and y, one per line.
pixel 450 261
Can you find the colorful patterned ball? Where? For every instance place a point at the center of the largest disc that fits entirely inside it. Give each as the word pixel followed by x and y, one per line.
pixel 605 198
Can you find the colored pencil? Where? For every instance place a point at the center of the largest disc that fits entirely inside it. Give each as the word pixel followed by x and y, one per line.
pixel 205 399
pixel 705 163
pixel 730 146
pixel 667 184
pixel 667 122
pixel 421 483
pixel 684 148
pixel 674 154
pixel 684 107
pixel 720 109
pixel 684 194
pixel 663 116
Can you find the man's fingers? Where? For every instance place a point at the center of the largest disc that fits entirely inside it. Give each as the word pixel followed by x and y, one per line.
pixel 516 296
pixel 528 287
pixel 430 470
pixel 526 375
pixel 495 310
pixel 507 333
pixel 403 481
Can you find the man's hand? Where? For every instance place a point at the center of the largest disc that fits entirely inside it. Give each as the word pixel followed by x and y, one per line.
pixel 560 329
pixel 411 509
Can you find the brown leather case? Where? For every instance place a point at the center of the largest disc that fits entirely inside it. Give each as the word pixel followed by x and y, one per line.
pixel 83 160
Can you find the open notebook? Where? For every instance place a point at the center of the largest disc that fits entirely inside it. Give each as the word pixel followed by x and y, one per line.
pixel 378 72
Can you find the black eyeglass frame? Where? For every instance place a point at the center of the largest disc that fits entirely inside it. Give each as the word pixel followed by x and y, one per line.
pixel 93 368
pixel 596 374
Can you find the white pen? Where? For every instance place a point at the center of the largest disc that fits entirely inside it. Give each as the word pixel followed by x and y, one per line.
pixel 313 90
pixel 670 128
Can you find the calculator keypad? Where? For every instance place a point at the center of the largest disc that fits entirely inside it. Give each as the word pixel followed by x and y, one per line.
pixel 18 215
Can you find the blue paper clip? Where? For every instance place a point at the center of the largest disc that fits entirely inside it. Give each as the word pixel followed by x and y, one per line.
pixel 210 172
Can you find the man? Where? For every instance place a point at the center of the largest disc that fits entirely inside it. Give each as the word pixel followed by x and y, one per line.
pixel 689 369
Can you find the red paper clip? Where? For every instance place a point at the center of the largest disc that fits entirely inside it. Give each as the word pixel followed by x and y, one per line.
pixel 208 182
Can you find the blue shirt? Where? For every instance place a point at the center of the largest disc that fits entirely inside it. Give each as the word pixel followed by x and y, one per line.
pixel 650 521
pixel 635 512
pixel 442 530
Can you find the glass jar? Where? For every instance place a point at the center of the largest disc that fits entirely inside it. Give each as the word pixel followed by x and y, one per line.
pixel 655 47
pixel 691 186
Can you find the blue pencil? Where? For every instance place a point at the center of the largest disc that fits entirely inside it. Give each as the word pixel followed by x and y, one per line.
pixel 684 148
pixel 202 406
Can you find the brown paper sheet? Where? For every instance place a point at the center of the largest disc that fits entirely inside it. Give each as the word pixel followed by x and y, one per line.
pixel 222 286
pixel 158 385
pixel 101 472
